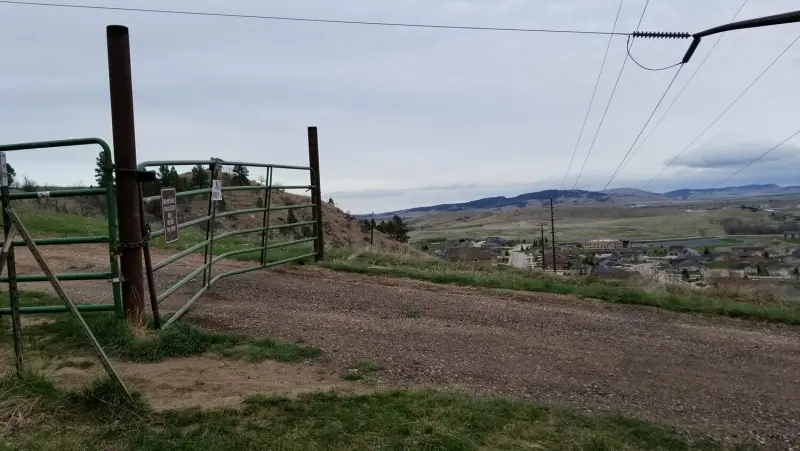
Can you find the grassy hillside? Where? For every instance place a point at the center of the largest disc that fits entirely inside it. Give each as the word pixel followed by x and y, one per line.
pixel 583 222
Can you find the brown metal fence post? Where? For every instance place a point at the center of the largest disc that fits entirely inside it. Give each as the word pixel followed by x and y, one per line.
pixel 316 192
pixel 8 256
pixel 122 122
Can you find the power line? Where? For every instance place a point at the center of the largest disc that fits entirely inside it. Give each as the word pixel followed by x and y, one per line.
pixel 628 46
pixel 313 20
pixel 725 110
pixel 608 105
pixel 680 93
pixel 757 158
pixel 594 93
pixel 677 72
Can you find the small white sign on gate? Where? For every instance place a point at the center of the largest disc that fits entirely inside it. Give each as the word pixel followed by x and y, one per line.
pixel 216 190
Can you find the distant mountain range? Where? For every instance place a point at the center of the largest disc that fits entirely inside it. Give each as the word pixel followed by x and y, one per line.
pixel 616 196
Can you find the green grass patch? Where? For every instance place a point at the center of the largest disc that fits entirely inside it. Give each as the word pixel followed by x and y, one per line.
pixel 399 420
pixel 363 369
pixel 509 279
pixel 194 235
pixel 49 224
pixel 61 335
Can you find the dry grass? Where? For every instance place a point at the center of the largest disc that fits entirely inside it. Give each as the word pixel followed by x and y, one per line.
pixel 747 290
pixel 579 222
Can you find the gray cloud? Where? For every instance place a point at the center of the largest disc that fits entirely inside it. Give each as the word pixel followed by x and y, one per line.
pixel 399 110
pixel 733 156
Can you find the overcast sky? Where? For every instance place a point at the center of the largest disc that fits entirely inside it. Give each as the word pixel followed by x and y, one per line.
pixel 406 117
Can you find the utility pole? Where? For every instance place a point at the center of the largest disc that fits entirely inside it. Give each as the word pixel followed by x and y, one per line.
pixel 316 193
pixel 372 229
pixel 544 264
pixel 553 235
pixel 122 125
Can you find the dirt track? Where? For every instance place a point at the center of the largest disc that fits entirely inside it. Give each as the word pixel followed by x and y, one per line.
pixel 727 377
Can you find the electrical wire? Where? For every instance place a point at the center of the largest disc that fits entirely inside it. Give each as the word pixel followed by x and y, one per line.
pixel 602 119
pixel 756 159
pixel 608 105
pixel 628 47
pixel 680 93
pixel 724 111
pixel 675 77
pixel 313 20
pixel 594 93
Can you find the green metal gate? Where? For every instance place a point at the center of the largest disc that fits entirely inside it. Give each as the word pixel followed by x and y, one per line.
pixel 111 275
pixel 207 245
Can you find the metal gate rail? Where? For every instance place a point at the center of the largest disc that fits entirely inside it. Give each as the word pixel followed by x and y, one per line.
pixel 108 190
pixel 212 215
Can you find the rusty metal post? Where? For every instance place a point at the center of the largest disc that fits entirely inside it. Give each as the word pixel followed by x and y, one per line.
pixel 316 192
pixel 8 255
pixel 127 187
pixel 148 264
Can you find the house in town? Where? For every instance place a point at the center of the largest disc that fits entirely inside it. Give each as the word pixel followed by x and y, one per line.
pixel 681 252
pixel 496 241
pixel 780 270
pixel 743 269
pixel 608 261
pixel 607 272
pixel 521 260
pixel 748 251
pixel 631 256
pixel 460 242
pixel 793 257
pixel 471 255
pixel 562 261
pixel 606 244
pixel 715 273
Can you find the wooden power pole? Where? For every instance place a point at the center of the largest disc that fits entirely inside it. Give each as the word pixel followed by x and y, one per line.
pixel 553 235
pixel 541 242
pixel 127 186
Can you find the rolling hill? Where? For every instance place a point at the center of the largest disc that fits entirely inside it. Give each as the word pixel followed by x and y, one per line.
pixel 613 196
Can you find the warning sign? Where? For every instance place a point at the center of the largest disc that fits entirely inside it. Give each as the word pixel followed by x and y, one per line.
pixel 169 214
pixel 216 190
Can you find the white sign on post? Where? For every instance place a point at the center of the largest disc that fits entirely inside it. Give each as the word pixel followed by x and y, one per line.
pixel 3 170
pixel 216 190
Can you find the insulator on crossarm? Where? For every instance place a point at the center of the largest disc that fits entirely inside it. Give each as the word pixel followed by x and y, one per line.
pixel 660 35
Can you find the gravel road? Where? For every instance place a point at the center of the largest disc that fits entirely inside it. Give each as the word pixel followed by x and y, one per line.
pixel 731 378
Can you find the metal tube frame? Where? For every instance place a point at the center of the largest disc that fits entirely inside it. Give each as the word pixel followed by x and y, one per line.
pixel 265 223
pixel 111 239
pixel 207 245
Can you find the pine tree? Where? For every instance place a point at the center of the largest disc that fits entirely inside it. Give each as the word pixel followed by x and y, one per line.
pixel 163 175
pixel 241 175
pixel 12 174
pixel 175 179
pixel 99 171
pixel 399 230
pixel 200 177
